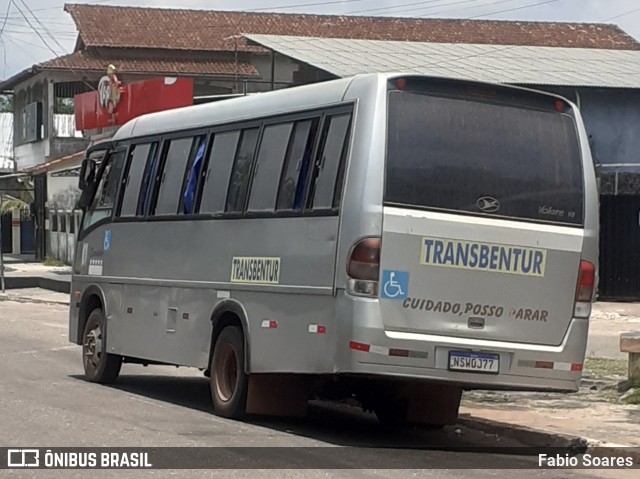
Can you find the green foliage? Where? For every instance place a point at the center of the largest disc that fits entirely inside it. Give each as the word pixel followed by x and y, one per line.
pixel 64 106
pixel 6 104
pixel 53 262
pixel 603 368
pixel 10 203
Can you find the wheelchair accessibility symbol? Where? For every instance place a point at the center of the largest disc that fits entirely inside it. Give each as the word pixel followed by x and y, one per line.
pixel 107 240
pixel 395 285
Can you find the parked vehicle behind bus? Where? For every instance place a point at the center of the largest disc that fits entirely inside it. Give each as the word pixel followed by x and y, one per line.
pixel 394 238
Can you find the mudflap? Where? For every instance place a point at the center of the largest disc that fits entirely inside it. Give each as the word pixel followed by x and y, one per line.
pixel 278 395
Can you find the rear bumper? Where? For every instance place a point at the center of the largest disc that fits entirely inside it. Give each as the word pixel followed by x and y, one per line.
pixel 522 366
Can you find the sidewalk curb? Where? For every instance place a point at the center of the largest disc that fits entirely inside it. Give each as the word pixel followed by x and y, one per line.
pixel 547 439
pixel 7 296
pixel 52 284
pixel 526 435
pixel 603 449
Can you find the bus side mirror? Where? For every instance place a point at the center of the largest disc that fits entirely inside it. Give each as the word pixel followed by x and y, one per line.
pixel 87 196
pixel 87 173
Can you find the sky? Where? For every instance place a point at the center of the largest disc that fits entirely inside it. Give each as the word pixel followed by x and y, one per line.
pixel 21 47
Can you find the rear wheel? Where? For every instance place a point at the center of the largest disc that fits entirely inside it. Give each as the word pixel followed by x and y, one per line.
pixel 99 366
pixel 228 379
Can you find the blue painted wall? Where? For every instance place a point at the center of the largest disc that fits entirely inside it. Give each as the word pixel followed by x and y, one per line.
pixel 612 119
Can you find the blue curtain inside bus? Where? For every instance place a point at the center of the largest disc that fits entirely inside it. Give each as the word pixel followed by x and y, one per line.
pixel 190 191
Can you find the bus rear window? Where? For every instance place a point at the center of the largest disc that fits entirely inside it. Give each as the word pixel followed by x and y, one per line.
pixel 480 157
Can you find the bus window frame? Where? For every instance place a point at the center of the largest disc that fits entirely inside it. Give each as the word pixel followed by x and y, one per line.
pixel 317 161
pixel 195 146
pixel 110 149
pixel 151 140
pixel 163 150
pixel 321 113
pixel 245 201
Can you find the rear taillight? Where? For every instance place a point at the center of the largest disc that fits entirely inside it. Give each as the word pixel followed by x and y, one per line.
pixel 363 267
pixel 584 290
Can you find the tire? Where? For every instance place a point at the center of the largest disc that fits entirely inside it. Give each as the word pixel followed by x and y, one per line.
pixel 99 365
pixel 228 379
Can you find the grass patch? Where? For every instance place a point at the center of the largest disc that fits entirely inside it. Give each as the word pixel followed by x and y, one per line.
pixel 53 262
pixel 601 368
pixel 634 399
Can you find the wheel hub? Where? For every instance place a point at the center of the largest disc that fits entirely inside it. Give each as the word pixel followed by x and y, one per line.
pixel 226 371
pixel 93 347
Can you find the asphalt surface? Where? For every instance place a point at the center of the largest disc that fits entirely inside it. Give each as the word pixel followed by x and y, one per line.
pixel 44 402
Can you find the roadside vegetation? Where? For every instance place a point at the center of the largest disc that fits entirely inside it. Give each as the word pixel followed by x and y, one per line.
pixel 53 262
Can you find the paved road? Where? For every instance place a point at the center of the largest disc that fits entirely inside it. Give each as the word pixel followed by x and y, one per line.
pixel 45 403
pixel 608 320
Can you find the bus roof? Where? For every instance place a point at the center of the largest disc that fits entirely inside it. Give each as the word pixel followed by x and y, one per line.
pixel 265 104
pixel 236 109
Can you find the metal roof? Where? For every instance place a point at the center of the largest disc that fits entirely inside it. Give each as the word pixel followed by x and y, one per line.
pixel 521 65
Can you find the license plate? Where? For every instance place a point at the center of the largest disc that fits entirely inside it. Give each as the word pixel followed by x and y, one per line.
pixel 474 362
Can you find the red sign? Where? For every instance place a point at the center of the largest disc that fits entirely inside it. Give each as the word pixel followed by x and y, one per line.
pixel 114 104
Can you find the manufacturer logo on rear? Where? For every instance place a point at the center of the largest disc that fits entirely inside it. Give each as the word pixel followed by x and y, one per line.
pixel 488 204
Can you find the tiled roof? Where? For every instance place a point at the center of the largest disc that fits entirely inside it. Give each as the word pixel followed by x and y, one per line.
pixel 83 60
pixel 133 27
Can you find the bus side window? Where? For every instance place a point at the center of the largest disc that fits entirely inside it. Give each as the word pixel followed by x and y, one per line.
pixel 296 165
pixel 136 166
pixel 193 174
pixel 216 182
pixel 146 190
pixel 271 155
pixel 175 164
pixel 239 183
pixel 107 190
pixel 326 186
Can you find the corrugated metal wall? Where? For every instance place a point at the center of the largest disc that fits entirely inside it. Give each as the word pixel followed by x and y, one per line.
pixel 619 247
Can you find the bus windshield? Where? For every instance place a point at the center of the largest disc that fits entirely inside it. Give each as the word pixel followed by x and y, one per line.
pixel 478 156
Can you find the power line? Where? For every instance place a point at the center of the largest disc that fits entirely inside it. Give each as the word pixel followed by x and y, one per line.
pixel 10 38
pixel 474 7
pixel 42 25
pixel 621 15
pixel 423 7
pixel 424 2
pixel 34 28
pixel 470 7
pixel 45 42
pixel 287 7
pixel 6 15
pixel 514 9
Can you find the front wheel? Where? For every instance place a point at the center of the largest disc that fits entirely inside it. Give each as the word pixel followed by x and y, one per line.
pixel 228 379
pixel 99 366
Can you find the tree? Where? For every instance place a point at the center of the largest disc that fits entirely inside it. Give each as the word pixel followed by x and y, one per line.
pixel 21 196
pixel 64 106
pixel 10 203
pixel 6 103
